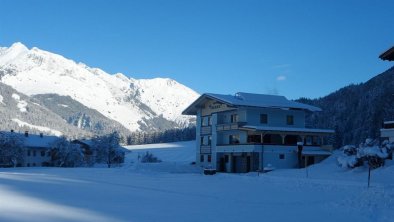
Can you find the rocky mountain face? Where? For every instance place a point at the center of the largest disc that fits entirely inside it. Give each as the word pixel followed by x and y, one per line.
pixel 21 113
pixel 356 112
pixel 78 115
pixel 91 99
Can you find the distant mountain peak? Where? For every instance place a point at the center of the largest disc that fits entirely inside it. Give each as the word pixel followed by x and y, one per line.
pixel 18 46
pixel 131 102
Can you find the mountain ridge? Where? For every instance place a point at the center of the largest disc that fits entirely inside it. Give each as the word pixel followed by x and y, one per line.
pixel 133 103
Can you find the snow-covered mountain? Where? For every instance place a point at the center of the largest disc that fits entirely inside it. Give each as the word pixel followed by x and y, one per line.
pixel 136 104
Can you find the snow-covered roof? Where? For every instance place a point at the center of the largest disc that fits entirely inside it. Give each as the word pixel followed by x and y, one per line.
pixel 37 141
pixel 288 129
pixel 250 100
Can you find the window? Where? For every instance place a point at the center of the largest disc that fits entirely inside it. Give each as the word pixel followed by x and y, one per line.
pixel 290 120
pixel 209 158
pixel 28 165
pixel 263 118
pixel 234 139
pixel 34 153
pixel 226 158
pixel 205 140
pixel 282 156
pixel 28 153
pixel 201 158
pixel 206 121
pixel 34 164
pixel 234 118
pixel 42 153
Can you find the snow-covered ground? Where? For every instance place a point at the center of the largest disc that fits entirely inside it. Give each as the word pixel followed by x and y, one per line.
pixel 175 190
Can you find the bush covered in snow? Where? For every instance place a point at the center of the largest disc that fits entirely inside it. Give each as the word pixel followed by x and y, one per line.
pixel 149 158
pixel 369 153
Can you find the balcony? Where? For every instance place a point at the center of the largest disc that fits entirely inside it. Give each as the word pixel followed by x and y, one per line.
pixel 229 126
pixel 206 130
pixel 239 148
pixel 205 149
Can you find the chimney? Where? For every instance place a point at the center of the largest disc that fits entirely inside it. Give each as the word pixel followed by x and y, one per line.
pixel 26 133
pixel 41 135
pixel 12 131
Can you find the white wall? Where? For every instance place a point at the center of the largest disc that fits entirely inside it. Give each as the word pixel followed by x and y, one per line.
pixel 276 117
pixel 35 158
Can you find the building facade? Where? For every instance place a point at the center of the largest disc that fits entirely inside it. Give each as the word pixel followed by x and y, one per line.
pixel 253 132
pixel 387 131
pixel 38 149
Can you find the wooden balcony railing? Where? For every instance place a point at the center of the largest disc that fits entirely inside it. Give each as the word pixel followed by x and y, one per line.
pixel 206 130
pixel 205 149
pixel 229 126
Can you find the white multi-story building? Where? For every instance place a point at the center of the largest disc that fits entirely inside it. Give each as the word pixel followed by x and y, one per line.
pixel 252 132
pixel 38 149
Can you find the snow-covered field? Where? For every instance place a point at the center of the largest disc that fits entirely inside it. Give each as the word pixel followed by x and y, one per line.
pixel 174 190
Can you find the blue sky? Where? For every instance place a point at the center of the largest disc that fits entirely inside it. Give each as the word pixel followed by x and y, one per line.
pixel 292 48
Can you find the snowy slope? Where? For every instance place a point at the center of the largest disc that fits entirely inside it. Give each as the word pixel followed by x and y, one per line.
pixel 126 100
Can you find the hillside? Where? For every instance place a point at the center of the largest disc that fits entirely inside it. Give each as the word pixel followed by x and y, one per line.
pixel 356 112
pixel 78 115
pixel 20 112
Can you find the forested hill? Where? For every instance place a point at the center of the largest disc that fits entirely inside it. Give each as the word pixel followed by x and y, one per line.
pixel 356 112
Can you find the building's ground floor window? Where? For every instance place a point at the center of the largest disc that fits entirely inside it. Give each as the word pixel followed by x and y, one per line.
pixel 42 152
pixel 209 158
pixel 28 164
pixel 201 158
pixel 282 156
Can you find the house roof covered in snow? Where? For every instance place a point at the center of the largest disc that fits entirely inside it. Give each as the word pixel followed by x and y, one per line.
pixel 388 55
pixel 33 141
pixel 248 100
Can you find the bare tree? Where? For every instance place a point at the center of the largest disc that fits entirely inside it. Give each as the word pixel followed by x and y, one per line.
pixel 66 154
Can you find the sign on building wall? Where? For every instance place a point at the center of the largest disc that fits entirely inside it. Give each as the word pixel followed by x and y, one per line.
pixel 214 107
